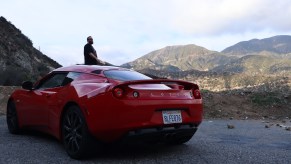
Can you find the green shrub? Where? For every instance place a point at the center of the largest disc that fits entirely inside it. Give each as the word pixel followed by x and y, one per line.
pixel 266 99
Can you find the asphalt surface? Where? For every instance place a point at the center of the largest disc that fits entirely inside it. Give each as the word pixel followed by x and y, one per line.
pixel 248 142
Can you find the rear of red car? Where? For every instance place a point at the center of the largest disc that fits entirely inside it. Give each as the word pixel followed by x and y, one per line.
pixel 151 110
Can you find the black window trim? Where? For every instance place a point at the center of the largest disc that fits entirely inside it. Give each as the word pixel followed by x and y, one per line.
pixel 48 76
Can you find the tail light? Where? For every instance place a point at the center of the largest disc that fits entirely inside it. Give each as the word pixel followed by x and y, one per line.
pixel 196 93
pixel 118 92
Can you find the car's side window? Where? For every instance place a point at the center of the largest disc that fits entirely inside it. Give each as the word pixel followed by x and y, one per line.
pixel 55 80
pixel 70 77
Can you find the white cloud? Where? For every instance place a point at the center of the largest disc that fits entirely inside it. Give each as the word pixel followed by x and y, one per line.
pixel 213 17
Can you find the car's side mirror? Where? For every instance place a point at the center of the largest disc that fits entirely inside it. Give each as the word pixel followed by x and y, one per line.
pixel 27 85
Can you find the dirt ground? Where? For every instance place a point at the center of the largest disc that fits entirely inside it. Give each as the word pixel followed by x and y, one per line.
pixel 220 105
pixel 247 105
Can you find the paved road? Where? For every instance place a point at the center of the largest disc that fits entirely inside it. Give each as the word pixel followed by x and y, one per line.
pixel 248 142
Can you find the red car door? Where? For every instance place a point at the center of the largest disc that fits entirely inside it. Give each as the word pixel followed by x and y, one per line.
pixel 36 104
pixel 33 108
pixel 55 99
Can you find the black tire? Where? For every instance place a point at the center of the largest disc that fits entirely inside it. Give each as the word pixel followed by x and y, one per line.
pixel 177 140
pixel 12 118
pixel 76 137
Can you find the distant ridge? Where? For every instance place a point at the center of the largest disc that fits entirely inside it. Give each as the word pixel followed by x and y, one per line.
pixel 280 44
pixel 180 58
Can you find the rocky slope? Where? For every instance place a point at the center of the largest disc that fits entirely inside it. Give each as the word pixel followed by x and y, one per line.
pixel 19 60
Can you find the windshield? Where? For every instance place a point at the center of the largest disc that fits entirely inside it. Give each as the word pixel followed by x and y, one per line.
pixel 125 75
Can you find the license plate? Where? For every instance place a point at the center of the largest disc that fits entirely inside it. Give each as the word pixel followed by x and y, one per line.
pixel 171 117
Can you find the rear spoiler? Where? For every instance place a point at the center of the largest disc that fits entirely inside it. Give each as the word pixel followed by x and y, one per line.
pixel 187 85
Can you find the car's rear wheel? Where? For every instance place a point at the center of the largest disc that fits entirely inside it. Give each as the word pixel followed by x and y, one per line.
pixel 12 118
pixel 76 137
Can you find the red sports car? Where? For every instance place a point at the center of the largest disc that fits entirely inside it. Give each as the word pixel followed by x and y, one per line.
pixel 109 103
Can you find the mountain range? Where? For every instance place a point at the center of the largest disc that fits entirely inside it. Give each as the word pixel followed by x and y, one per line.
pixel 246 64
pixel 268 56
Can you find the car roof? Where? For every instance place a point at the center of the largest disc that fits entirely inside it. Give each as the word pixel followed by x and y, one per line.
pixel 86 68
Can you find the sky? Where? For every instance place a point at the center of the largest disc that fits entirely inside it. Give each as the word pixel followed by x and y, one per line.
pixel 124 30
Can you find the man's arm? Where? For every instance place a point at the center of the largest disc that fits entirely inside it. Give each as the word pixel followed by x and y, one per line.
pixel 94 56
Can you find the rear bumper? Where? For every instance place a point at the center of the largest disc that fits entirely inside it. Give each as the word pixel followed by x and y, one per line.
pixel 159 134
pixel 109 119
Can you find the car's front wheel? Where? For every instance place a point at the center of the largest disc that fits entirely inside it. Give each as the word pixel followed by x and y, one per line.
pixel 76 137
pixel 12 118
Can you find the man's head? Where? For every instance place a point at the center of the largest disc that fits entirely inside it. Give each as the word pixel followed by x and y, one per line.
pixel 90 39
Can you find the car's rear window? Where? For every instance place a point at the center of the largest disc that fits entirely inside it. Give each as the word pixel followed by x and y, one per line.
pixel 125 75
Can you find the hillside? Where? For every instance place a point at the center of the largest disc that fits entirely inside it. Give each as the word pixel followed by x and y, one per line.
pixel 19 60
pixel 180 58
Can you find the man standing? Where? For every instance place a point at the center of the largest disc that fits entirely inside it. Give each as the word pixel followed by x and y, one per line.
pixel 90 53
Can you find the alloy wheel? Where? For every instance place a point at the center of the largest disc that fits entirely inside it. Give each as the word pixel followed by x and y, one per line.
pixel 72 128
